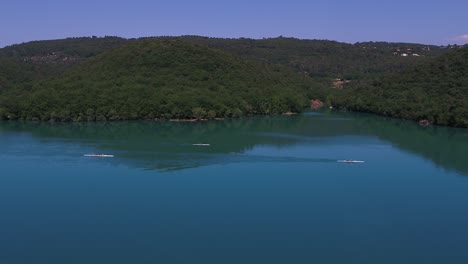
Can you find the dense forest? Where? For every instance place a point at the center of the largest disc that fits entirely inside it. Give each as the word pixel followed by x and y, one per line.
pixel 435 92
pixel 325 58
pixel 113 78
pixel 42 59
pixel 160 78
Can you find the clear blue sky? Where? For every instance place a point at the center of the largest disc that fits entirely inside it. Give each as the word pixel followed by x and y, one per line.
pixel 429 22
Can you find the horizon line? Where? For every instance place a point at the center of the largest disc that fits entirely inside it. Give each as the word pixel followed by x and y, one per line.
pixel 217 37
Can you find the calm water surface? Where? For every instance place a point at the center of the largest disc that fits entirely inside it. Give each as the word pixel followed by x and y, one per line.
pixel 266 190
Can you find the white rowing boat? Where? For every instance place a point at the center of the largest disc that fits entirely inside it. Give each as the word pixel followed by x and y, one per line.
pixel 99 155
pixel 351 161
pixel 200 144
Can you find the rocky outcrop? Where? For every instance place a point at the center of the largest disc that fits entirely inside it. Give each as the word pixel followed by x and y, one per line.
pixel 339 83
pixel 316 104
pixel 424 122
pixel 53 58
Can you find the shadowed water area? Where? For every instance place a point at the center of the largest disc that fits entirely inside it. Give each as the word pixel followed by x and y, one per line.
pixel 252 190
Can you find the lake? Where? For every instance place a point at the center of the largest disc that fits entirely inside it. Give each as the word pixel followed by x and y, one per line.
pixel 265 190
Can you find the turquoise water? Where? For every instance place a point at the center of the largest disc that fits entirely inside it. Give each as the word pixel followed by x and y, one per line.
pixel 266 190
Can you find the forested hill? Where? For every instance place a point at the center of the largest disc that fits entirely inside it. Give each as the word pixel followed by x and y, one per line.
pixel 314 58
pixel 159 78
pixel 325 58
pixel 115 78
pixel 36 60
pixel 436 91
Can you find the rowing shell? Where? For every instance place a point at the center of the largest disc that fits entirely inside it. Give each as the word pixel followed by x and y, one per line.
pixel 99 155
pixel 351 161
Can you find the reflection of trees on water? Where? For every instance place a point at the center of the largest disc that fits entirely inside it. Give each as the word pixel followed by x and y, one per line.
pixel 444 146
pixel 168 145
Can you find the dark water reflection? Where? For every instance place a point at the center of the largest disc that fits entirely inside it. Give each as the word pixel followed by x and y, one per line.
pixel 169 145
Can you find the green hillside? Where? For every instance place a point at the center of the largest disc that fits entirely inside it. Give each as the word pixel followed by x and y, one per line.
pixel 436 91
pixel 325 58
pixel 319 59
pixel 157 78
pixel 37 60
pixel 199 77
